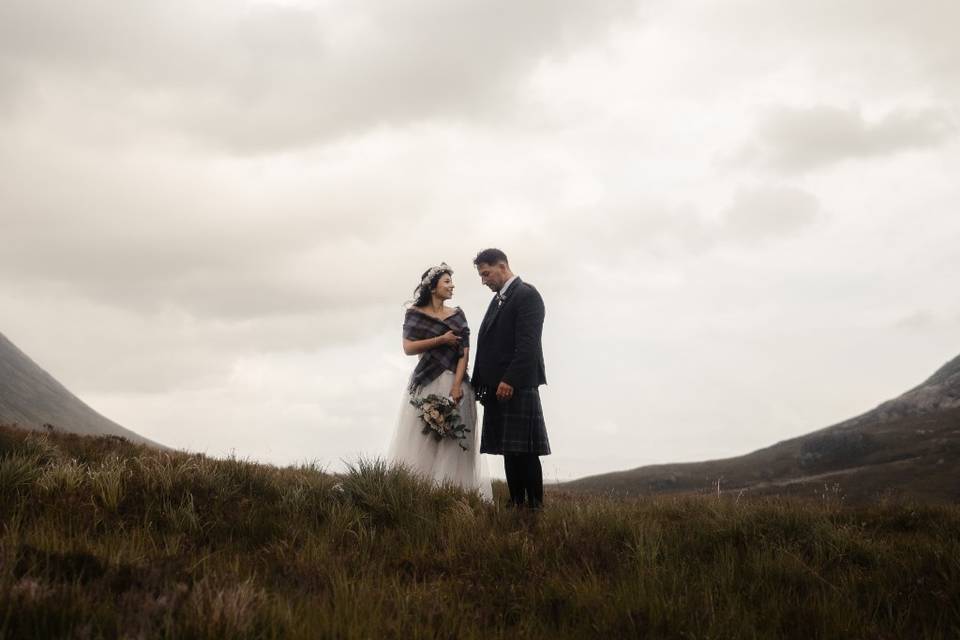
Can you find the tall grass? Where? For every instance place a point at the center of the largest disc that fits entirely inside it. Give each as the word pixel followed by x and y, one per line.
pixel 104 539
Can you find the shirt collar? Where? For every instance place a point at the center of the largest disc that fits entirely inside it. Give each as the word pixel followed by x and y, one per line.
pixel 506 285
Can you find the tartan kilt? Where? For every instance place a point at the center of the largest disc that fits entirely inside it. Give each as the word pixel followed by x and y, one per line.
pixel 515 426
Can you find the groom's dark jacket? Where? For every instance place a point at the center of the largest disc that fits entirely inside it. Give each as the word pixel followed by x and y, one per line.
pixel 509 340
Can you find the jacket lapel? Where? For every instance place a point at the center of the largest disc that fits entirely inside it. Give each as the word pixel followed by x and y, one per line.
pixel 494 309
pixel 488 317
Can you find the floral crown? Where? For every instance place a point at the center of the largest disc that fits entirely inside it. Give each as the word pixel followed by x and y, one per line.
pixel 443 267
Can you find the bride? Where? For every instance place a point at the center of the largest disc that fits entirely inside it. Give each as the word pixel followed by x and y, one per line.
pixel 440 337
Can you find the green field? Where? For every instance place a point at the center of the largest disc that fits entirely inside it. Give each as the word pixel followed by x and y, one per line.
pixel 104 539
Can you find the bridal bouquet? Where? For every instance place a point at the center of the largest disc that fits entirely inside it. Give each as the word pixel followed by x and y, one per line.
pixel 441 418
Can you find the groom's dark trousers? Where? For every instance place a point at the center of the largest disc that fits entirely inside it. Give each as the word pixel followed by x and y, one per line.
pixel 509 351
pixel 524 479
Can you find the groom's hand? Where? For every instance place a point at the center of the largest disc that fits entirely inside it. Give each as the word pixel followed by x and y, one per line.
pixel 504 391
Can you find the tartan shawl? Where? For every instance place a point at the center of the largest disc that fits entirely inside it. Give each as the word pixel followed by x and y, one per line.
pixel 417 325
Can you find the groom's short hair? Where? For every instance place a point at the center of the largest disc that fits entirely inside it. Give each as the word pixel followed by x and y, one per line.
pixel 491 257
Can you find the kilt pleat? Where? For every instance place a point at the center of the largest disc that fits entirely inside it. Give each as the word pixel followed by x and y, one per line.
pixel 515 426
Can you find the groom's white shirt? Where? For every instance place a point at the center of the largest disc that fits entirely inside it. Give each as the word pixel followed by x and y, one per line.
pixel 506 285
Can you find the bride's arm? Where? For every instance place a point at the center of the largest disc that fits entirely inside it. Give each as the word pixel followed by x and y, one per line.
pixel 457 391
pixel 416 347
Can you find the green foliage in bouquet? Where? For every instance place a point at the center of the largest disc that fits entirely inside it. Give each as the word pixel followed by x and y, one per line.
pixel 441 418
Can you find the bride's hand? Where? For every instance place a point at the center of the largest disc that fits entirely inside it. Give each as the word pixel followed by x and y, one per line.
pixel 456 394
pixel 449 338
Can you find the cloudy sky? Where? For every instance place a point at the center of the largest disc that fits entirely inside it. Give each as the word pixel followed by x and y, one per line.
pixel 742 214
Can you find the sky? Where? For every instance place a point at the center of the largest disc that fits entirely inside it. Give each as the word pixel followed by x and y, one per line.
pixel 742 214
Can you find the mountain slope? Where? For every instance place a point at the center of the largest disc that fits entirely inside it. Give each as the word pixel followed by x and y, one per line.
pixel 908 446
pixel 939 392
pixel 31 397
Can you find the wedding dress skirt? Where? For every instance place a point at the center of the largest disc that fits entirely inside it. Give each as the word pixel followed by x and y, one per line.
pixel 443 461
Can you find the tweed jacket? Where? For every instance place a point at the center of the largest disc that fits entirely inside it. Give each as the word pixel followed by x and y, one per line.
pixel 509 340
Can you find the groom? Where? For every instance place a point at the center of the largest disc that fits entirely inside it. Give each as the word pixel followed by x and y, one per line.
pixel 506 375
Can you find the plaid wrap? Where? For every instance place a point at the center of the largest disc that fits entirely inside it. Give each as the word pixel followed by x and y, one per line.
pixel 515 426
pixel 417 325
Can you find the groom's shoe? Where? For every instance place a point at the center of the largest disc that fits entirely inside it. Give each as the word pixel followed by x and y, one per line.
pixel 515 505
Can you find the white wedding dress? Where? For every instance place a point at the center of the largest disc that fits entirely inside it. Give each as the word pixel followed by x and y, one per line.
pixel 442 461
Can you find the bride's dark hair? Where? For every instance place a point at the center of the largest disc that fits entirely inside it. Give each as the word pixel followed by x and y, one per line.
pixel 422 294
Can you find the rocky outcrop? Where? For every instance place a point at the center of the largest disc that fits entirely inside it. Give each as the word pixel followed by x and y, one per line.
pixel 939 392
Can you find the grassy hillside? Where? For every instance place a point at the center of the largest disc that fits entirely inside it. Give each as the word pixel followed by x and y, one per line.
pixel 104 539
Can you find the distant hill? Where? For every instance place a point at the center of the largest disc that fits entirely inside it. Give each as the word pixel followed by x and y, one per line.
pixel 908 446
pixel 30 397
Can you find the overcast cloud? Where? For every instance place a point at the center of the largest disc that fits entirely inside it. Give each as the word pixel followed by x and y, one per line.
pixel 258 77
pixel 793 140
pixel 742 215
